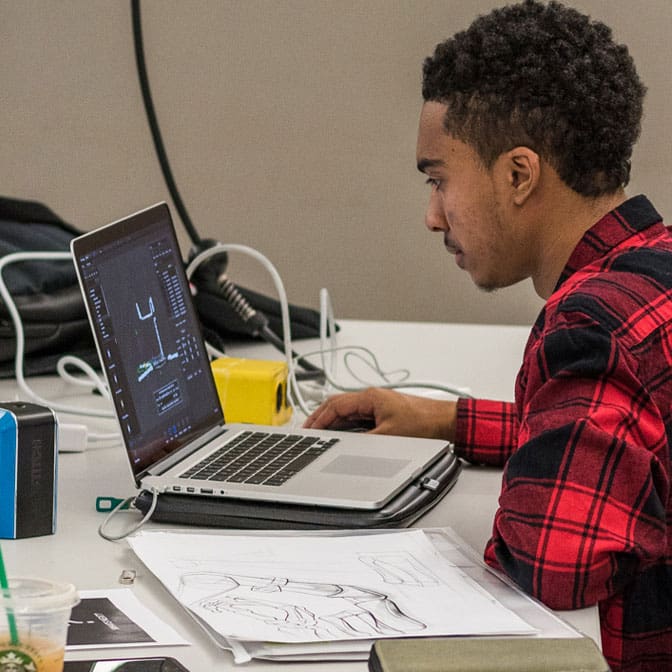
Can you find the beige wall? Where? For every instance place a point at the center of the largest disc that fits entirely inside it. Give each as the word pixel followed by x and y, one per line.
pixel 290 126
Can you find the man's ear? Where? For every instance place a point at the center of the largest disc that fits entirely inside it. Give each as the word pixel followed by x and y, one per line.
pixel 523 167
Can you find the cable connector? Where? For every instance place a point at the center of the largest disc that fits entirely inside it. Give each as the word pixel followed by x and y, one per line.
pixel 257 321
pixel 72 438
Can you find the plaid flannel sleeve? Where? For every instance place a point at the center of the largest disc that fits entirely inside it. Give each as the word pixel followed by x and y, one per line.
pixel 486 431
pixel 582 507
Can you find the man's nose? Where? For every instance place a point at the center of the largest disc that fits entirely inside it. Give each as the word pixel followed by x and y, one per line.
pixel 434 218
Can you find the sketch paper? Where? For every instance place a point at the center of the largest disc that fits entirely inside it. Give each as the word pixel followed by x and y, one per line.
pixel 322 589
pixel 115 619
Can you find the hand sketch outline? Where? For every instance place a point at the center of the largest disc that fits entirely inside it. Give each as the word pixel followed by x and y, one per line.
pixel 400 568
pixel 357 611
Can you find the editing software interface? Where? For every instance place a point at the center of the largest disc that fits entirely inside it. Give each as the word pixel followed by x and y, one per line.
pixel 150 345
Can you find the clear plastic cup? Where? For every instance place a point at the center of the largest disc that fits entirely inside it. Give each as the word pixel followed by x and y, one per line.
pixel 34 623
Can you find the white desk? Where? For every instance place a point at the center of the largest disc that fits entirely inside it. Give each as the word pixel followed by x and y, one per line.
pixel 483 358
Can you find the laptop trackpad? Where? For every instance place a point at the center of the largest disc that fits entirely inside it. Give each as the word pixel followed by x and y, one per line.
pixel 359 465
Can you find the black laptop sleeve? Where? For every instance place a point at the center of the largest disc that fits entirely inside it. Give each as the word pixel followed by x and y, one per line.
pixel 405 508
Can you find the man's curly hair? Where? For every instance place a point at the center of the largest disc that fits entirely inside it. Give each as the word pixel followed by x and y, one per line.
pixel 546 77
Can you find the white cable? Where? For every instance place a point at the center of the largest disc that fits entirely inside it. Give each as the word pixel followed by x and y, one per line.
pixel 92 380
pixel 294 396
pixel 20 336
pixel 294 393
pixel 277 280
pixel 328 346
pixel 327 326
pixel 386 376
pixel 349 350
pixel 119 507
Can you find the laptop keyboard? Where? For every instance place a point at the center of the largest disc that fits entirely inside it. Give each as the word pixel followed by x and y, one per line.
pixel 260 458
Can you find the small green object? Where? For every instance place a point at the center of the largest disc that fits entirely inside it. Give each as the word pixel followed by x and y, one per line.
pixel 4 584
pixel 107 504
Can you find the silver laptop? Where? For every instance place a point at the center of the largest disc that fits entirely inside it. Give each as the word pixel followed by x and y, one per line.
pixel 153 356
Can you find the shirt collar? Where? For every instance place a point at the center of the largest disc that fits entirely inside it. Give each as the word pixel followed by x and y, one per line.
pixel 632 216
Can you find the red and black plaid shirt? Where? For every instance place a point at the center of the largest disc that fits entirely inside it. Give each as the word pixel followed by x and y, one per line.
pixel 584 514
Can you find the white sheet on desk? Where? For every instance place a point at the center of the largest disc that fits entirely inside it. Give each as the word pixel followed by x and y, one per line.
pixel 322 589
pixel 245 651
pixel 133 614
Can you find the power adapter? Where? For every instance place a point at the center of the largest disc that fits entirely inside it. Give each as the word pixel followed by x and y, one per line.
pixel 72 438
pixel 252 390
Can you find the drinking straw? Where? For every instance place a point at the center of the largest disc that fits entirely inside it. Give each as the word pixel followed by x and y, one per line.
pixel 4 584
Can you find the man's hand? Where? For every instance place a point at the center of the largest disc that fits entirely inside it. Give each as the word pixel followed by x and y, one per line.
pixel 387 412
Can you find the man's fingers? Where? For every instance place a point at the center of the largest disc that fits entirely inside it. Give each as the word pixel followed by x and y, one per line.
pixel 341 411
pixel 323 417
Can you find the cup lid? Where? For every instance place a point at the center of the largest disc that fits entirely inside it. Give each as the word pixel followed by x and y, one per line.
pixel 28 595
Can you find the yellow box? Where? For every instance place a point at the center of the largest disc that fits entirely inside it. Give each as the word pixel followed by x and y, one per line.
pixel 252 390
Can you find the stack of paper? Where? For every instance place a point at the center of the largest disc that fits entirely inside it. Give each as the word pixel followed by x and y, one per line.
pixel 323 597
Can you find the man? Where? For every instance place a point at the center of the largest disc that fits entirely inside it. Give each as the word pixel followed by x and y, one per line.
pixel 526 135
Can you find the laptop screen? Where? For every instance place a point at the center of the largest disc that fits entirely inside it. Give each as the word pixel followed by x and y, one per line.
pixel 148 335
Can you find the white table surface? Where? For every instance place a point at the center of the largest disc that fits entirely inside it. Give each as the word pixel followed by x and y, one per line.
pixel 483 358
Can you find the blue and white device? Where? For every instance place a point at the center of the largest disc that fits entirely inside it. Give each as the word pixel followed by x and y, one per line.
pixel 28 469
